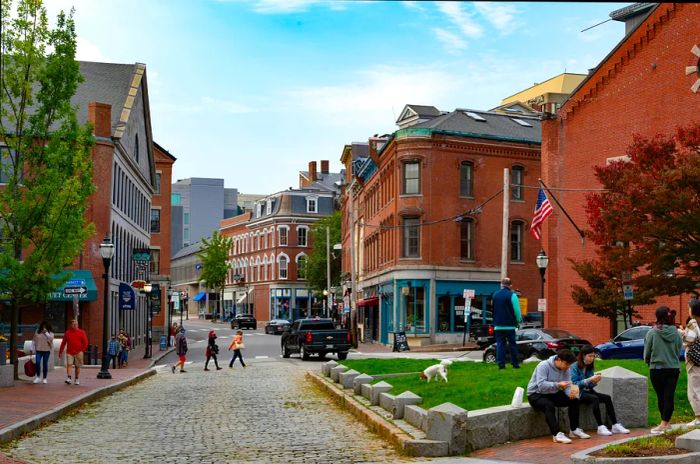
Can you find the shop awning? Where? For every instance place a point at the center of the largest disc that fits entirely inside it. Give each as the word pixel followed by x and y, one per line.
pixel 80 282
pixel 373 301
pixel 199 296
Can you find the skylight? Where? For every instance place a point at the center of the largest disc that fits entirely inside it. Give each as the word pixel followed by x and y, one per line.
pixel 474 116
pixel 521 122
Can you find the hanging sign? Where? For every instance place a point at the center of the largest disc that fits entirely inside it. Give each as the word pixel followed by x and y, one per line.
pixel 127 297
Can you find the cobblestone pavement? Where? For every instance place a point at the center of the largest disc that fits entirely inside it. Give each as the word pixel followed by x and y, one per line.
pixel 266 413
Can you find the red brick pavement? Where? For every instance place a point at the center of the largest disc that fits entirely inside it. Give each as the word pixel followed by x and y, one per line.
pixel 542 450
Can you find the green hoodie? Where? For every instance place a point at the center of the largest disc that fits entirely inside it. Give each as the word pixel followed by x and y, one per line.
pixel 662 347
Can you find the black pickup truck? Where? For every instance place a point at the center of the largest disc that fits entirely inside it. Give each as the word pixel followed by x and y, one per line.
pixel 315 336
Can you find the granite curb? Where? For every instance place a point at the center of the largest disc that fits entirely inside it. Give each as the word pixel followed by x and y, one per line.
pixel 14 431
pixel 583 456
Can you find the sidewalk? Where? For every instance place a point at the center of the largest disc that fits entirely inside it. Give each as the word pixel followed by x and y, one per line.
pixel 26 406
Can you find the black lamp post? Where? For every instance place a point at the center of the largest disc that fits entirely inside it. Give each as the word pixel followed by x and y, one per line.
pixel 182 307
pixel 106 252
pixel 147 288
pixel 542 262
pixel 170 313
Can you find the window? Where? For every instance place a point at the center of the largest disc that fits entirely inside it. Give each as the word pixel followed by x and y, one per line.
pixel 268 207
pixel 186 235
pixel 158 177
pixel 258 209
pixel 516 241
pixel 301 236
pixel 517 173
pixel 466 239
pixel 312 205
pixel 411 238
pixel 155 221
pixel 283 267
pixel 155 261
pixel 466 179
pixel 521 122
pixel 175 199
pixel 301 267
pixel 411 177
pixel 284 231
pixel 474 116
pixel 136 148
pixel 186 218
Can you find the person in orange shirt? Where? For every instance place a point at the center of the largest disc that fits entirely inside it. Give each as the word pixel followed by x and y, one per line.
pixel 236 345
pixel 75 343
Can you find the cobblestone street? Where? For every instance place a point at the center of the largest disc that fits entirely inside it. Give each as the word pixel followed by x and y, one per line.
pixel 267 412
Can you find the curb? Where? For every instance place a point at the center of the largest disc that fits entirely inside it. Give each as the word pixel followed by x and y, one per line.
pixel 371 419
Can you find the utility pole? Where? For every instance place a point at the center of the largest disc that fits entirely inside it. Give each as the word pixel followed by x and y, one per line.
pixel 506 225
pixel 328 271
pixel 353 311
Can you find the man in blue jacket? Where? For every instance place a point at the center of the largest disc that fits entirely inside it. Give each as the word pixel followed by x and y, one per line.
pixel 506 318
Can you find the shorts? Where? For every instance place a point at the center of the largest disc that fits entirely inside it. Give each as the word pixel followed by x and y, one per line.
pixel 183 358
pixel 74 360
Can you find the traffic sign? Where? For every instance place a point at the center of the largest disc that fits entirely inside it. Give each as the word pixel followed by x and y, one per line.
pixel 542 304
pixel 627 292
pixel 74 290
pixel 468 293
pixel 75 283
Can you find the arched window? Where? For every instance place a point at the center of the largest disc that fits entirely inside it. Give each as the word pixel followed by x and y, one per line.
pixel 301 267
pixel 283 264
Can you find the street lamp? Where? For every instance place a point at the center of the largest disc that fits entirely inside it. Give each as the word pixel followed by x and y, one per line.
pixel 147 288
pixel 325 301
pixel 182 307
pixel 542 262
pixel 170 313
pixel 106 252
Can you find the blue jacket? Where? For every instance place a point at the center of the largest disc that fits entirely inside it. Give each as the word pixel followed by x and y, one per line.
pixel 580 377
pixel 113 347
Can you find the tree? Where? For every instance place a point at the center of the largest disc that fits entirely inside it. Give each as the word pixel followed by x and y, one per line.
pixel 45 161
pixel 215 264
pixel 645 222
pixel 316 269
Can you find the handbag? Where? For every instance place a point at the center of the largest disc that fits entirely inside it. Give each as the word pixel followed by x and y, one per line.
pixel 30 368
pixel 240 346
pixel 693 353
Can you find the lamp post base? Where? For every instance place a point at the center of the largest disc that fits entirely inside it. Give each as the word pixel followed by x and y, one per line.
pixel 104 371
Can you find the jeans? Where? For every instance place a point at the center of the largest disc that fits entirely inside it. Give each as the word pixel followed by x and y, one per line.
pixel 664 382
pixel 42 358
pixel 236 354
pixel 216 361
pixel 123 357
pixel 501 337
pixel 594 398
pixel 548 402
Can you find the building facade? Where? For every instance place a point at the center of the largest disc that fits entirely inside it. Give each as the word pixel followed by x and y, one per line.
pixel 422 221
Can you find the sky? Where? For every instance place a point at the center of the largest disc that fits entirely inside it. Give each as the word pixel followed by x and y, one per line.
pixel 252 91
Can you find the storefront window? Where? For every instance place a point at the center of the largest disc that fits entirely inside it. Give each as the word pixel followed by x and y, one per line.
pixel 415 310
pixel 443 309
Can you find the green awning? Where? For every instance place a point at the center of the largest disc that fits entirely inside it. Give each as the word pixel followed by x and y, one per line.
pixel 80 282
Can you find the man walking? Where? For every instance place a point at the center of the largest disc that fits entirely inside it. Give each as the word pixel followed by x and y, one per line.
pixel 181 350
pixel 506 318
pixel 75 343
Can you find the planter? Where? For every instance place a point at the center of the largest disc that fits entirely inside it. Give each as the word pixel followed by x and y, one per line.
pixel 585 456
pixel 3 353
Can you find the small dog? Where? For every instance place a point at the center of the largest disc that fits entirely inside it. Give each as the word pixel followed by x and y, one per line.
pixel 432 372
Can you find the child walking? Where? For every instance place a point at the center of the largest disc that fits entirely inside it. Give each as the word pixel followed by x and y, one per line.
pixel 212 351
pixel 236 345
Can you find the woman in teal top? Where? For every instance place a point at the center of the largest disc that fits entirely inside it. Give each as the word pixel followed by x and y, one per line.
pixel 583 374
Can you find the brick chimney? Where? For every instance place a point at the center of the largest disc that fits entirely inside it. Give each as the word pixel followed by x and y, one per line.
pixel 312 171
pixel 100 115
pixel 324 166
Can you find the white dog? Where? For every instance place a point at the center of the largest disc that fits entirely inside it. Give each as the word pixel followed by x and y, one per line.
pixel 432 372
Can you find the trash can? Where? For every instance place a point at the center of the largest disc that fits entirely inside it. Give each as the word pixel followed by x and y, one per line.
pixel 163 342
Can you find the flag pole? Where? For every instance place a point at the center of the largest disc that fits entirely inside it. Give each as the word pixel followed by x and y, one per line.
pixel 580 232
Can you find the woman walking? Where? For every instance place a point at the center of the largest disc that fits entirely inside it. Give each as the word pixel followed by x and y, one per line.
pixel 43 345
pixel 212 351
pixel 691 335
pixel 662 347
pixel 236 345
pixel 583 374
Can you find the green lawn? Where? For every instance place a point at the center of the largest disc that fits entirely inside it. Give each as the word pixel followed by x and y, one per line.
pixel 479 385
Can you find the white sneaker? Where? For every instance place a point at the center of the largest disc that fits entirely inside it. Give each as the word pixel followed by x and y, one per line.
pixel 694 423
pixel 44 381
pixel 618 428
pixel 579 433
pixel 561 438
pixel 77 382
pixel 603 430
pixel 36 380
pixel 68 380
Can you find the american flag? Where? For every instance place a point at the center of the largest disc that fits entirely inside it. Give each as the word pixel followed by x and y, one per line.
pixel 542 211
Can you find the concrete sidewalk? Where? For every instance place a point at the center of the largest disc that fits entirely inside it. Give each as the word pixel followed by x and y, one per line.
pixel 27 406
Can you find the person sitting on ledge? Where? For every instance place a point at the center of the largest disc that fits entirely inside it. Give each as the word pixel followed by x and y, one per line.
pixel 550 387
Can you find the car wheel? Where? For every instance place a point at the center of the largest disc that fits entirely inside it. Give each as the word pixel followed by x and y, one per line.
pixel 343 356
pixel 535 354
pixel 490 357
pixel 285 351
pixel 598 355
pixel 304 354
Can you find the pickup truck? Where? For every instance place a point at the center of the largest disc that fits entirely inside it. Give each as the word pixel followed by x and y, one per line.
pixel 315 336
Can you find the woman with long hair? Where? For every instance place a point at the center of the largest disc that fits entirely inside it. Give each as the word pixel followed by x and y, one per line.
pixel 662 348
pixel 583 374
pixel 43 346
pixel 691 335
pixel 212 351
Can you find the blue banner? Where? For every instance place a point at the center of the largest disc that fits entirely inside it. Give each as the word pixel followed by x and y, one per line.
pixel 127 297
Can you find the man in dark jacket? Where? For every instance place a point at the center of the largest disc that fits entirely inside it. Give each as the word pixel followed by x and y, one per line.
pixel 181 349
pixel 506 318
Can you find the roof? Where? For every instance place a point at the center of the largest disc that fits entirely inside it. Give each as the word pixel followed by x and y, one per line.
pixel 325 180
pixel 630 11
pixel 164 151
pixel 187 251
pixel 493 125
pixel 563 83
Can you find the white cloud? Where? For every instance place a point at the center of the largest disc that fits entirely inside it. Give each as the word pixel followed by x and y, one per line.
pixel 461 18
pixel 413 5
pixel 452 42
pixel 88 51
pixel 501 16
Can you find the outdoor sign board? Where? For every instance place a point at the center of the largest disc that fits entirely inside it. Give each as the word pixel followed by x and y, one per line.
pixel 542 304
pixel 155 299
pixel 400 342
pixel 127 297
pixel 627 292
pixel 141 254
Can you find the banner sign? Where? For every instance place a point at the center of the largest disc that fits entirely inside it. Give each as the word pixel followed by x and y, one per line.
pixel 155 299
pixel 127 297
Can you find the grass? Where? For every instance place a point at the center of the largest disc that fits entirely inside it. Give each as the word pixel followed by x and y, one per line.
pixel 661 445
pixel 479 385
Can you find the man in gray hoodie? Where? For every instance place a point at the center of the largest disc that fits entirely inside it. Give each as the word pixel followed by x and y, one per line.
pixel 550 387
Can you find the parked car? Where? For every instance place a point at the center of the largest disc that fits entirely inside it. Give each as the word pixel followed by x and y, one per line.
pixel 244 321
pixel 627 345
pixel 315 336
pixel 277 326
pixel 541 343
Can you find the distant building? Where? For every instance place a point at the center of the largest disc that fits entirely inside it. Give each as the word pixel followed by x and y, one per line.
pixel 543 97
pixel 323 179
pixel 246 201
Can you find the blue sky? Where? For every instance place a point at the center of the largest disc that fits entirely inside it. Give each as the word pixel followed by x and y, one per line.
pixel 251 91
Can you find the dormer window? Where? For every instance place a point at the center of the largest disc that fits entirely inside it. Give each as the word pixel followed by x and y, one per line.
pixel 311 204
pixel 268 207
pixel 258 209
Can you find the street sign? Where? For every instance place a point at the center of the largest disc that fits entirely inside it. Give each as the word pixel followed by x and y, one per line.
pixel 468 293
pixel 542 304
pixel 467 308
pixel 141 255
pixel 75 283
pixel 74 290
pixel 627 292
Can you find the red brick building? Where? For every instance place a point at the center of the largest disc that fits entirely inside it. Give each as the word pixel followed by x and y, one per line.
pixel 647 85
pixel 426 218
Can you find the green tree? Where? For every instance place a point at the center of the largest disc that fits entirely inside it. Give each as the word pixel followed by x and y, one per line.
pixel 316 262
pixel 45 159
pixel 215 264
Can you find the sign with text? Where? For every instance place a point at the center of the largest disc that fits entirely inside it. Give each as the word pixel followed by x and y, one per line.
pixel 155 299
pixel 468 293
pixel 523 305
pixel 467 308
pixel 127 297
pixel 627 292
pixel 542 304
pixel 400 342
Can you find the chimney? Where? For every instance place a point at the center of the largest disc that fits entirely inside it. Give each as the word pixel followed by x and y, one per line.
pixel 324 166
pixel 100 115
pixel 312 171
